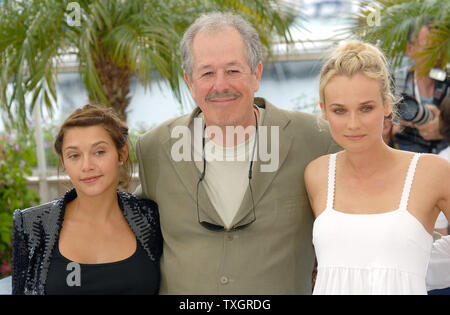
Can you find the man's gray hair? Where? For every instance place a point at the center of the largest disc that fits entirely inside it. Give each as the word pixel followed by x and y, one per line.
pixel 217 21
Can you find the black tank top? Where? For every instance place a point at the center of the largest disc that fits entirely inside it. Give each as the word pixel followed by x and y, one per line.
pixel 137 274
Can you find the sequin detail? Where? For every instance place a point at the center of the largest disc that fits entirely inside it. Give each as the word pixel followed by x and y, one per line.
pixel 36 231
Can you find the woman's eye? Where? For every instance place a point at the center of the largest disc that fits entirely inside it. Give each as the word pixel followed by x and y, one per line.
pixel 367 108
pixel 99 152
pixel 339 111
pixel 72 156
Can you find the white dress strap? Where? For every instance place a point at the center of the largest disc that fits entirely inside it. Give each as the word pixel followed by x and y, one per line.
pixel 331 180
pixel 408 182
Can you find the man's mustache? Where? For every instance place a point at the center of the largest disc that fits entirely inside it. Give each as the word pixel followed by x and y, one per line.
pixel 213 96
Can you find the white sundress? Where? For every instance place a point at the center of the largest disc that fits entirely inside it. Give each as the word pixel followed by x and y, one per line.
pixel 385 253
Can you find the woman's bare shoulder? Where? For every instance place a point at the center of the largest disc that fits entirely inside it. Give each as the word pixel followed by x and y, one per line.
pixel 436 168
pixel 434 158
pixel 317 170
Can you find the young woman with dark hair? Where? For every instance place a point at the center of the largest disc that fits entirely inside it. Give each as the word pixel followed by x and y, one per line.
pixel 95 239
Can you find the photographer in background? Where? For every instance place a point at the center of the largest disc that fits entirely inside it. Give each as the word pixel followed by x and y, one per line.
pixel 444 124
pixel 418 130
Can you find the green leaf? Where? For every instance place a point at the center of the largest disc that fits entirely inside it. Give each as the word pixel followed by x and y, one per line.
pixel 141 36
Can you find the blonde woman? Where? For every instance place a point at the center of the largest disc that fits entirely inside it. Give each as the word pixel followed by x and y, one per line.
pixel 375 206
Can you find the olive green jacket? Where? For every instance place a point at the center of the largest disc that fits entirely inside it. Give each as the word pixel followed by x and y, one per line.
pixel 273 255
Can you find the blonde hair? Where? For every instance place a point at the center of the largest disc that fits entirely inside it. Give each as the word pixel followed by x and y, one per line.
pixel 357 57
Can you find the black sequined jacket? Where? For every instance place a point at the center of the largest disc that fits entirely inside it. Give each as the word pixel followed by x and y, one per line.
pixel 36 234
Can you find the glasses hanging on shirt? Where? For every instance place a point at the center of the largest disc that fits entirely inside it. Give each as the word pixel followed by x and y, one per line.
pixel 216 227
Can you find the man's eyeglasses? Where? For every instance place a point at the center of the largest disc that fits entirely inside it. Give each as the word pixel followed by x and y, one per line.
pixel 215 227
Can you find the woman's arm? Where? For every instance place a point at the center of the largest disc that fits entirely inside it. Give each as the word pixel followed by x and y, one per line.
pixel 443 169
pixel 438 275
pixel 151 212
pixel 316 180
pixel 19 254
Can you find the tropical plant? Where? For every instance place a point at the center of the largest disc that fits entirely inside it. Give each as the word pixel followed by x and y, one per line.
pixel 16 158
pixel 112 40
pixel 387 23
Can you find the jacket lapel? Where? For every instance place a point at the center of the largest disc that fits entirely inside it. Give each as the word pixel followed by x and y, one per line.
pixel 262 179
pixel 53 219
pixel 188 173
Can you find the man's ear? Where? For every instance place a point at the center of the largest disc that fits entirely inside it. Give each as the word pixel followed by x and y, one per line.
pixel 324 112
pixel 258 75
pixel 189 83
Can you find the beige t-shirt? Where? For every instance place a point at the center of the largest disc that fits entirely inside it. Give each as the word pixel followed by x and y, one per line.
pixel 226 178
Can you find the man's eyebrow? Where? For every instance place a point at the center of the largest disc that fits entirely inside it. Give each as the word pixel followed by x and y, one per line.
pixel 234 63
pixel 231 63
pixel 204 67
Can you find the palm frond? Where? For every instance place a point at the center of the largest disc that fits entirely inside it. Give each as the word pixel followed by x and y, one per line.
pixel 397 18
pixel 139 36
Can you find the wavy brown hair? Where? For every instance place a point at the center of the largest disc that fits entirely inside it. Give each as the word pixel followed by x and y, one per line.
pixel 94 115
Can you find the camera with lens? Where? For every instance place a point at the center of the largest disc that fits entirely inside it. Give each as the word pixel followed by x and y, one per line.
pixel 411 111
